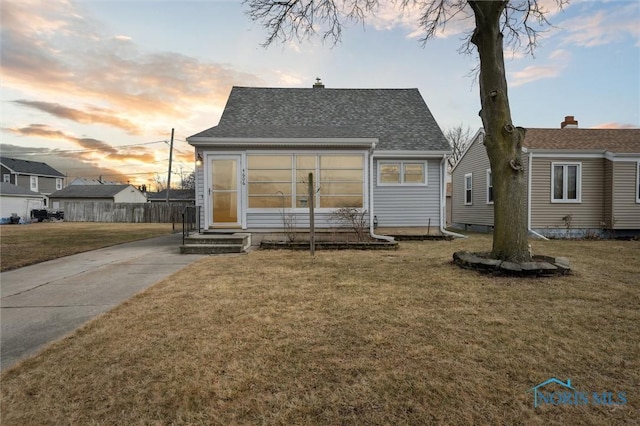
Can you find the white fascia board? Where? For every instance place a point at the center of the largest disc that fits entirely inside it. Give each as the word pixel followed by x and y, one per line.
pixel 622 156
pixel 410 154
pixel 289 142
pixel 571 153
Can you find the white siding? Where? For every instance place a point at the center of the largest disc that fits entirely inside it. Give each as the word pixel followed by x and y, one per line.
pixel 405 206
pixel 19 205
pixel 275 220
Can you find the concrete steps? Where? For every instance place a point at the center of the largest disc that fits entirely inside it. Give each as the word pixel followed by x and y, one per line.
pixel 216 243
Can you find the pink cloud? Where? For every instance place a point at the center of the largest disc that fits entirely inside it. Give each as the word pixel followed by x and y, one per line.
pixel 614 125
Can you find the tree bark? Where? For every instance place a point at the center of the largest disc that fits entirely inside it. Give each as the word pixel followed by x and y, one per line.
pixel 503 141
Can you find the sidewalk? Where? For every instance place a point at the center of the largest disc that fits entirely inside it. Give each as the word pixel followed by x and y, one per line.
pixel 43 302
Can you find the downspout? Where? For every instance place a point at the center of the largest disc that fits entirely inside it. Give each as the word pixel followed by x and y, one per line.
pixel 371 214
pixel 529 174
pixel 443 195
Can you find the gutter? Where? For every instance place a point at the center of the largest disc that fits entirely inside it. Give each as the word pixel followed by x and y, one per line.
pixel 529 172
pixel 443 199
pixel 371 214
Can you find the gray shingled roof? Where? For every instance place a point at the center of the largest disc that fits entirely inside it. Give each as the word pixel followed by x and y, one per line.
pixel 399 118
pixel 174 194
pixel 11 189
pixel 89 191
pixel 29 167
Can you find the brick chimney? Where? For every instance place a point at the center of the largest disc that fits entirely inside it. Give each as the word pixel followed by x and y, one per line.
pixel 569 122
pixel 318 84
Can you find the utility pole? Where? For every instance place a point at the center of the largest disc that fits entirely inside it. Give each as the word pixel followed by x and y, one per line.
pixel 169 174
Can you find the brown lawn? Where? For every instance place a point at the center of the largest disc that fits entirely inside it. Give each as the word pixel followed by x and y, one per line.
pixel 402 337
pixel 23 245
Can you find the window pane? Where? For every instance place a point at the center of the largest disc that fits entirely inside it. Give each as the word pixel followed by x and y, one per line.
pixel 390 173
pixel 269 162
pixel 278 202
pixel 340 189
pixel 305 162
pixel 303 175
pixel 302 201
pixel 225 207
pixel 302 188
pixel 269 175
pixel 269 188
pixel 557 182
pixel 341 175
pixel 414 173
pixel 337 202
pixel 572 182
pixel 341 161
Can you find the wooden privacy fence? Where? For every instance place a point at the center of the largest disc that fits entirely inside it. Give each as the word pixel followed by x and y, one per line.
pixel 123 212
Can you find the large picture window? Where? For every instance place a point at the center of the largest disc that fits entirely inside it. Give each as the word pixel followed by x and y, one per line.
pixel 565 182
pixel 281 181
pixel 402 173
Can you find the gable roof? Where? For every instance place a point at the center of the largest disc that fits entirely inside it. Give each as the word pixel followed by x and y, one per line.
pixel 612 140
pixel 89 191
pixel 398 118
pixel 11 189
pixel 30 167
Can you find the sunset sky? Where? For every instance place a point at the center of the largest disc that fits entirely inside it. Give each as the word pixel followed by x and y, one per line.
pixel 93 88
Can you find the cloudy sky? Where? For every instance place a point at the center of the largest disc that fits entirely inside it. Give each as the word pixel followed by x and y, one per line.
pixel 94 88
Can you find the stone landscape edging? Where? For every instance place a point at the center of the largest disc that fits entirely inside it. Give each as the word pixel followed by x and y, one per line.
pixel 540 266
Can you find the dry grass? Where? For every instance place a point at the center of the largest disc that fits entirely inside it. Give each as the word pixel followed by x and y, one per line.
pixel 399 337
pixel 23 245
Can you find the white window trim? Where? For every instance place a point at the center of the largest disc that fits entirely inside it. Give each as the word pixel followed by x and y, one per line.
pixel 58 184
pixel 564 189
pixel 33 187
pixel 464 195
pixel 489 180
pixel 6 178
pixel 402 182
pixel 638 182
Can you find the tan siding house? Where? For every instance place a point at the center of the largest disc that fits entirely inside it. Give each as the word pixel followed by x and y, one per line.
pixel 583 182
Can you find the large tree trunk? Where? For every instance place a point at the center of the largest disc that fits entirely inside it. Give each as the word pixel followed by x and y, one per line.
pixel 503 140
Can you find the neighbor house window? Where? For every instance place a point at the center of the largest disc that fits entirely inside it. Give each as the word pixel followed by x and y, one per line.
pixel 58 184
pixel 402 173
pixel 282 181
pixel 565 182
pixel 468 186
pixel 489 187
pixel 34 183
pixel 6 178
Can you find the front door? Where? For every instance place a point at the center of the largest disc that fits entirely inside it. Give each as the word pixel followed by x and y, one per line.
pixel 224 191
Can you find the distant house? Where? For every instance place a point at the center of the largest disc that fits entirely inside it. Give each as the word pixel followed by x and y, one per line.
pixel 97 193
pixel 379 151
pixel 90 181
pixel 15 200
pixel 31 175
pixel 581 182
pixel 176 196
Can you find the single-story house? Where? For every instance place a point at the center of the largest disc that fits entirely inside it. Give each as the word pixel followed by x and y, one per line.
pixel 31 175
pixel 581 182
pixel 96 193
pixel 176 196
pixel 15 200
pixel 379 151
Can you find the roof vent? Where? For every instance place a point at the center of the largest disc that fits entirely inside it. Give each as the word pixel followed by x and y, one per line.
pixel 318 84
pixel 569 122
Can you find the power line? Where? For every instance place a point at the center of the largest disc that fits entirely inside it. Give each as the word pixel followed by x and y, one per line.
pixel 67 151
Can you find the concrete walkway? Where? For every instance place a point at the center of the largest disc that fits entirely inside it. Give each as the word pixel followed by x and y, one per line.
pixel 42 303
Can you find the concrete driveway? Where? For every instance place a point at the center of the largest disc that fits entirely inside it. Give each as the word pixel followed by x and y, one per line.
pixel 44 302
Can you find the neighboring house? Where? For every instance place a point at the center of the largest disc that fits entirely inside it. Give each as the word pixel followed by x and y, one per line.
pixel 19 201
pixel 90 181
pixel 31 175
pixel 176 196
pixel 583 182
pixel 97 193
pixel 377 150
